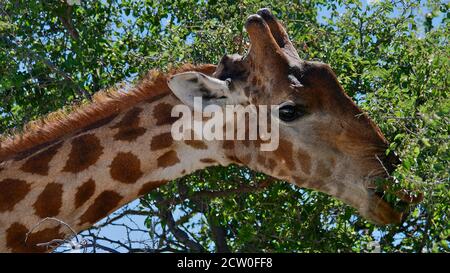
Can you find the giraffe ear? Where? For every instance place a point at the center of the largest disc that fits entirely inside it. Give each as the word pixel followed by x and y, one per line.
pixel 189 85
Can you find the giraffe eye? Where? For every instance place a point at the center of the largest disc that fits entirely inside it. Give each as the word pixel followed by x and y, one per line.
pixel 290 112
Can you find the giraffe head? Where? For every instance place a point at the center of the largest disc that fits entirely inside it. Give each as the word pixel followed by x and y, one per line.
pixel 326 142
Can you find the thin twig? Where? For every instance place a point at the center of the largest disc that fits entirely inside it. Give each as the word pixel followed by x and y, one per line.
pixel 54 242
pixel 181 236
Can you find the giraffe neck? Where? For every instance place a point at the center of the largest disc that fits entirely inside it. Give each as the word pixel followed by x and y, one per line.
pixel 86 176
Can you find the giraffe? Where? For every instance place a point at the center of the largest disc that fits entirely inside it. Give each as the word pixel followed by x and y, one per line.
pixel 81 166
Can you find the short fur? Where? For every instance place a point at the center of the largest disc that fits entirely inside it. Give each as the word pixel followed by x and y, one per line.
pixel 105 104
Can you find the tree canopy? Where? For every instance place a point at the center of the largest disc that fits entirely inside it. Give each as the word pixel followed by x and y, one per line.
pixel 392 57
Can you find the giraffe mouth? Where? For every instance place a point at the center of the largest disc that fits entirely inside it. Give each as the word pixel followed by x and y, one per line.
pixel 388 206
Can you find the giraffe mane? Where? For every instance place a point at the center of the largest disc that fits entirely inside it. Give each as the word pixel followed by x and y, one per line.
pixel 55 126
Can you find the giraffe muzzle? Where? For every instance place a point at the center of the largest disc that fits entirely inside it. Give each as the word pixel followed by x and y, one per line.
pixel 388 206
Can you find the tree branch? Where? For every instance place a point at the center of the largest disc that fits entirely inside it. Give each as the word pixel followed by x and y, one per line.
pixel 67 23
pixel 102 247
pixel 179 234
pixel 218 233
pixel 120 215
pixel 32 55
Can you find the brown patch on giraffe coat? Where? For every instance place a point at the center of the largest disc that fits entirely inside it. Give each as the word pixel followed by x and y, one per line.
pixel 126 168
pixel 228 144
pixel 161 141
pixel 11 192
pixel 267 163
pixel 299 181
pixel 234 159
pixel 305 160
pixel 86 150
pixel 246 159
pixel 17 241
pixel 49 201
pixel 284 152
pixel 99 123
pixel 162 112
pixel 258 142
pixel 246 142
pixel 38 163
pixel 272 164
pixel 157 97
pixel 168 159
pixel 322 170
pixel 84 192
pixel 129 129
pixel 197 144
pixel 282 173
pixel 319 185
pixel 208 160
pixel 102 206
pixel 26 153
pixel 261 160
pixel 149 186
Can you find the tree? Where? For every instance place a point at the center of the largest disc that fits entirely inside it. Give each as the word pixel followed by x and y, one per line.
pixel 390 56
